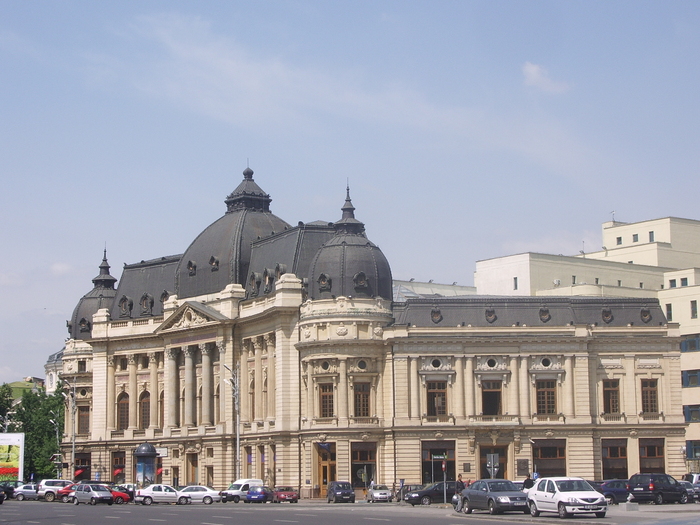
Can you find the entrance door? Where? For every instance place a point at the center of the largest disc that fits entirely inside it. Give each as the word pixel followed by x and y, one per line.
pixel 502 462
pixel 192 469
pixel 326 465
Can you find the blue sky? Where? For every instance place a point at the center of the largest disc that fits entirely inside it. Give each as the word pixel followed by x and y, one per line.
pixel 467 130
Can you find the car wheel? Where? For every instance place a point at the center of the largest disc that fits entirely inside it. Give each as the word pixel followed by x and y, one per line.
pixel 466 507
pixel 207 500
pixel 492 508
pixel 458 505
pixel 75 501
pixel 182 500
pixel 49 496
pixel 659 499
pixel 118 500
pixel 65 498
pixel 425 500
pixel 684 498
pixel 236 499
pixel 20 497
pixel 533 510
pixel 610 499
pixel 93 501
pixel 600 514
pixel 147 500
pixel 561 509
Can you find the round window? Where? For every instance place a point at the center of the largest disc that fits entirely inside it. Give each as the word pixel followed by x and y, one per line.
pixel 325 365
pixel 361 364
pixel 546 362
pixel 83 392
pixel 436 363
pixel 491 363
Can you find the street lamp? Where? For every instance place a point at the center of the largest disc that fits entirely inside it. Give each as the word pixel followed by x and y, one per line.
pixel 70 398
pixel 6 420
pixel 56 457
pixel 235 392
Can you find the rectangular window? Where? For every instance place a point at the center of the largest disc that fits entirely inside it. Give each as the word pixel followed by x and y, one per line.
pixel 619 241
pixel 651 236
pixel 515 283
pixel 573 279
pixel 326 401
pixel 692 413
pixel 619 282
pixel 546 396
pixel 597 281
pixel 635 237
pixel 83 420
pixel 672 283
pixel 491 398
pixel 82 366
pixel 684 281
pixel 693 309
pixel 611 396
pixel 641 285
pixel 692 449
pixel 669 312
pixel 650 396
pixel 691 344
pixel 437 398
pixel 362 392
pixel 690 378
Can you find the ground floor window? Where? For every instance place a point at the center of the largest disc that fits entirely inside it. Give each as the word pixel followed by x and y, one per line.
pixel 651 455
pixel 549 457
pixel 118 466
pixel 433 454
pixel 614 453
pixel 82 467
pixel 493 462
pixel 363 466
pixel 326 465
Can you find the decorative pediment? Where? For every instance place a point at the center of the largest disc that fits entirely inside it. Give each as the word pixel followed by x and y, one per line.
pixel 189 315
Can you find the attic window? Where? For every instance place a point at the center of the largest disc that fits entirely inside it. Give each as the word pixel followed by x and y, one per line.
pixel 164 296
pixel 84 325
pixel 214 263
pixel 324 283
pixel 146 303
pixel 360 281
pixel 126 304
pixel 82 366
pixel 191 268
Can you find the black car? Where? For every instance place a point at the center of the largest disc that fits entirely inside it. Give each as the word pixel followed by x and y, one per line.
pixel 494 495
pixel 8 489
pixel 338 491
pixel 434 493
pixel 656 487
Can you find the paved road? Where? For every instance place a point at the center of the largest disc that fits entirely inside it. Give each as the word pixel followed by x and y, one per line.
pixel 314 513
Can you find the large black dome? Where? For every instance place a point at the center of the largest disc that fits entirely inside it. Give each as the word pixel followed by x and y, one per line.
pixel 349 264
pixel 220 255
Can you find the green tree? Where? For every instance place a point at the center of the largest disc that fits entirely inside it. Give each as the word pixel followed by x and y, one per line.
pixel 5 399
pixel 33 416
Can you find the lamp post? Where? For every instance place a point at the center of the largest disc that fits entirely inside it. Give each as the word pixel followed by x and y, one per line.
pixel 57 457
pixel 70 398
pixel 235 393
pixel 6 420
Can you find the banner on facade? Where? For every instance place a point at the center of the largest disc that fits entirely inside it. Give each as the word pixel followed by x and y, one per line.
pixel 11 456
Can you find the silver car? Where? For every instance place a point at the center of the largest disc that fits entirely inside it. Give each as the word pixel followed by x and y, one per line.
pixel 202 494
pixel 92 493
pixel 161 494
pixel 27 491
pixel 379 493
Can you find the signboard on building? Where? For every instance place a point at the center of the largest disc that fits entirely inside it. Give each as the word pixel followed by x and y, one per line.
pixel 11 456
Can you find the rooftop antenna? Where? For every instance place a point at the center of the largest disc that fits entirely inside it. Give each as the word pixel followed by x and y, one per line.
pixel 613 215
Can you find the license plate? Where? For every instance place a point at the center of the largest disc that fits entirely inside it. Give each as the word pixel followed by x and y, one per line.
pixel 639 488
pixel 589 507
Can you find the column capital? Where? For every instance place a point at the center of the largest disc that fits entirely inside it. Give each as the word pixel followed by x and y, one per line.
pixel 189 352
pixel 221 347
pixel 152 356
pixel 110 360
pixel 132 359
pixel 171 352
pixel 204 348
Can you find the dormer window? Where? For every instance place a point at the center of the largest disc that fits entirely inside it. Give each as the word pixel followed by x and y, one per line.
pixel 324 283
pixel 191 268
pixel 214 264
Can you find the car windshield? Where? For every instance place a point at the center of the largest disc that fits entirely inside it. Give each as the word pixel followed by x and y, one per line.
pixel 234 486
pixel 343 486
pixel 380 487
pixel 284 489
pixel 502 486
pixel 574 485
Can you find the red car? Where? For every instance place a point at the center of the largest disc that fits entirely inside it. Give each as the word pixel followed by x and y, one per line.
pixel 119 496
pixel 63 494
pixel 280 494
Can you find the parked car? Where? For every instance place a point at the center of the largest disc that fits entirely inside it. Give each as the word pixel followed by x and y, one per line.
pixel 259 494
pixel 693 478
pixel 92 493
pixel 2 497
pixel 281 494
pixel 379 493
pixel 120 496
pixel 160 494
pixel 690 489
pixel 8 489
pixel 202 494
pixel 128 488
pixel 614 490
pixel 402 491
pixel 565 496
pixel 432 493
pixel 48 487
pixel 338 491
pixel 519 484
pixel 64 494
pixel 656 487
pixel 238 490
pixel 494 495
pixel 28 491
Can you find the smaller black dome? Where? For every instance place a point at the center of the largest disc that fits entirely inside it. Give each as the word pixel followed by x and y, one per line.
pixel 101 296
pixel 349 264
pixel 146 450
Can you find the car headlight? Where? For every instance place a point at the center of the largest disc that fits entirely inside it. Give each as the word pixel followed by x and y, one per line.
pixel 413 495
pixel 503 499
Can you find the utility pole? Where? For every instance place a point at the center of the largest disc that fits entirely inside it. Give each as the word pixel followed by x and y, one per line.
pixel 235 392
pixel 70 399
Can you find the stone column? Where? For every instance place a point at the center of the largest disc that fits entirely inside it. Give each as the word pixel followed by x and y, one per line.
pixel 525 387
pixel 224 385
pixel 343 389
pixel 311 409
pixel 414 381
pixel 257 344
pixel 133 393
pixel 206 384
pixel 379 401
pixel 153 388
pixel 111 393
pixel 569 405
pixel 514 387
pixel 245 385
pixel 270 342
pixel 190 384
pixel 459 388
pixel 172 390
pixel 471 401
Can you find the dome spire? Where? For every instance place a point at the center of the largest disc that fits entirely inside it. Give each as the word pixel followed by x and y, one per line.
pixel 348 224
pixel 248 196
pixel 104 279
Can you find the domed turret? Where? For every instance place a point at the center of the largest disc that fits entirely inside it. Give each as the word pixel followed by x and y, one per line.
pixel 220 255
pixel 101 296
pixel 349 264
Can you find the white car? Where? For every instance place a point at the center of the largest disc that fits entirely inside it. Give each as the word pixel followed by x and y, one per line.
pixel 565 496
pixel 160 494
pixel 202 494
pixel 379 493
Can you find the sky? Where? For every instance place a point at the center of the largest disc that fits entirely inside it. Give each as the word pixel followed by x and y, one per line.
pixel 466 130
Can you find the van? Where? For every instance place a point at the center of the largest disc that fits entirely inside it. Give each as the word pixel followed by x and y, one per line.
pixel 692 478
pixel 238 490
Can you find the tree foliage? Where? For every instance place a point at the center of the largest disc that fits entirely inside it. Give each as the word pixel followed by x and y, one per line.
pixel 5 399
pixel 33 417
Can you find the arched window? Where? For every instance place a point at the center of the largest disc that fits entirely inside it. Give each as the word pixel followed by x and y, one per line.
pixel 123 412
pixel 145 411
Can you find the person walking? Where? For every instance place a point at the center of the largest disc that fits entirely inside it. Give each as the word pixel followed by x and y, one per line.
pixel 528 483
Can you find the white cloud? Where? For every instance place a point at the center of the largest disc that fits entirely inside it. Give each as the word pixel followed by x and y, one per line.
pixel 60 269
pixel 537 76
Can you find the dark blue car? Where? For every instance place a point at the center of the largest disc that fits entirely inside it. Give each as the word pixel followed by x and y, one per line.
pixel 259 494
pixel 614 490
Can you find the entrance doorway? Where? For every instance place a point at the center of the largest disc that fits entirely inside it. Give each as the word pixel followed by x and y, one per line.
pixel 326 465
pixel 502 472
pixel 192 469
pixel 434 453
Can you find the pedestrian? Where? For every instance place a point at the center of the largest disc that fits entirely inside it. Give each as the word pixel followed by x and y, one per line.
pixel 528 483
pixel 460 484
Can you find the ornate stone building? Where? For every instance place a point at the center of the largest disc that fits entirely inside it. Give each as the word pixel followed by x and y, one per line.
pixel 338 381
